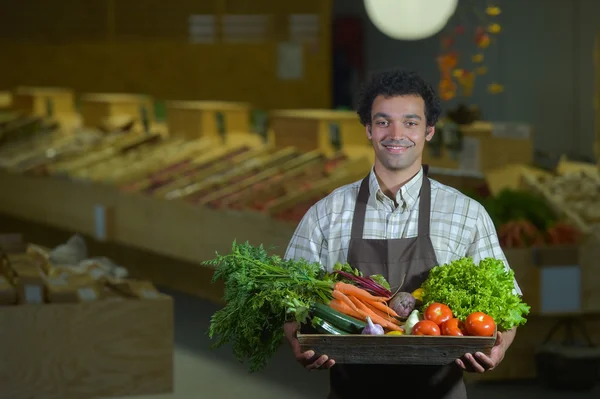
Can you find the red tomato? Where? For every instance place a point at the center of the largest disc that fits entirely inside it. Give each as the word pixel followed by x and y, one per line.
pixel 426 327
pixel 438 313
pixel 453 327
pixel 480 324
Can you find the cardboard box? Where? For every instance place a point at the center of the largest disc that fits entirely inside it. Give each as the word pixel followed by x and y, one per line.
pixel 96 349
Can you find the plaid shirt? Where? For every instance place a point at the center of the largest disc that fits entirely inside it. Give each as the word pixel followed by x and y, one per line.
pixel 459 227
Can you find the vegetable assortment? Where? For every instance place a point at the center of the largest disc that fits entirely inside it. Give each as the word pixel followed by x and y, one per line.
pixel 263 292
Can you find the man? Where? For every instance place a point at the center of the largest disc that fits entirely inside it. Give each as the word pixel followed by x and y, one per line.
pixel 399 223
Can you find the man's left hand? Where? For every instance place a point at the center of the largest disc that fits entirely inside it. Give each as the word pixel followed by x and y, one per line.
pixel 479 362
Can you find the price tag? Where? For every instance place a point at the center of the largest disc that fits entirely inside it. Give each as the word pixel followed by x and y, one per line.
pixel 33 294
pixel 87 294
pixel 102 222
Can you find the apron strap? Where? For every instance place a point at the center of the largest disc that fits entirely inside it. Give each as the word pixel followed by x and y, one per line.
pixel 425 205
pixel 360 209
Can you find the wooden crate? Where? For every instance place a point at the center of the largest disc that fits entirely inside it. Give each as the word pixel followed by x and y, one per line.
pixel 87 350
pixel 44 101
pixel 101 110
pixel 326 130
pixel 195 119
pixel 402 349
pixel 486 146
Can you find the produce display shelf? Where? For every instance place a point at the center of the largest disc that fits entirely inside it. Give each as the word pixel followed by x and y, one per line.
pixel 70 311
pixel 574 194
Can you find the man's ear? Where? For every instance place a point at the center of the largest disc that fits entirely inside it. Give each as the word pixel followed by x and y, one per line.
pixel 368 130
pixel 430 132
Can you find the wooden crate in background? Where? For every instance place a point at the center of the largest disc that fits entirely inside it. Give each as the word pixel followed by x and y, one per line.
pixel 43 101
pixel 105 110
pixel 325 130
pixel 195 119
pixel 486 146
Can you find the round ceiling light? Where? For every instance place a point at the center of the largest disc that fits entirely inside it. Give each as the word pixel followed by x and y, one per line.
pixel 410 19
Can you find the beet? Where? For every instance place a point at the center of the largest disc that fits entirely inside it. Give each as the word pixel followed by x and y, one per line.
pixel 403 303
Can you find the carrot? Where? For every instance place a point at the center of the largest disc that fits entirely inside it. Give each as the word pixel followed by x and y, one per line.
pixel 387 317
pixel 350 289
pixel 342 307
pixel 374 316
pixel 342 297
pixel 384 308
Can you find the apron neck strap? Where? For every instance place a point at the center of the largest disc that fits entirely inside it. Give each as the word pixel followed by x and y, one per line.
pixel 360 209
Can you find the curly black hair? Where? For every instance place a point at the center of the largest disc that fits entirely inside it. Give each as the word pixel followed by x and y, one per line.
pixel 398 83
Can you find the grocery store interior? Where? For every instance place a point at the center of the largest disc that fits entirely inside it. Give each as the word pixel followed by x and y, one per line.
pixel 141 139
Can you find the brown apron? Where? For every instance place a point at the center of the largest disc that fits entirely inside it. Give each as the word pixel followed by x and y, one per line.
pixel 405 263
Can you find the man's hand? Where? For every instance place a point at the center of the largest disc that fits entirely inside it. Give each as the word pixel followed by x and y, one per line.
pixel 480 363
pixel 309 360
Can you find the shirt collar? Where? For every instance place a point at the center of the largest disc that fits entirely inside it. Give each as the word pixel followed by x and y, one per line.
pixel 407 195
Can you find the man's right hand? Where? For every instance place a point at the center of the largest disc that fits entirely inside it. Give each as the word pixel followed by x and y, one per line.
pixel 309 360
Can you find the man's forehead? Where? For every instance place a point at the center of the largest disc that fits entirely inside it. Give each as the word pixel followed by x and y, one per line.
pixel 399 104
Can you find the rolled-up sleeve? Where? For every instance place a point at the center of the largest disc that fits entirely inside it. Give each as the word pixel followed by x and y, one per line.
pixel 308 241
pixel 485 243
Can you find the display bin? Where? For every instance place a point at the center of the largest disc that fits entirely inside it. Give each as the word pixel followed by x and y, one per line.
pixel 87 350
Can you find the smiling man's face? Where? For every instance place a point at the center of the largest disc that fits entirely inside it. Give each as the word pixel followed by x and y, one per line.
pixel 398 131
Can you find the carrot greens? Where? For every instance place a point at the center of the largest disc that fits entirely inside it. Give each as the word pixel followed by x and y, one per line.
pixel 262 292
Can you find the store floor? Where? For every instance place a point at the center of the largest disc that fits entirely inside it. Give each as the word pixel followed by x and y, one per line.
pixel 204 373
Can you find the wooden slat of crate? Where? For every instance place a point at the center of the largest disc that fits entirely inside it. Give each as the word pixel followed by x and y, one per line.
pixel 194 119
pixel 90 349
pixel 385 349
pixel 97 108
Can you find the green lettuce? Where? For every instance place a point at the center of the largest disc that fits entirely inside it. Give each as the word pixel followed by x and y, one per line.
pixel 466 288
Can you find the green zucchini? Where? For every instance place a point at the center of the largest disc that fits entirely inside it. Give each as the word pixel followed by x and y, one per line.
pixel 338 319
pixel 326 328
